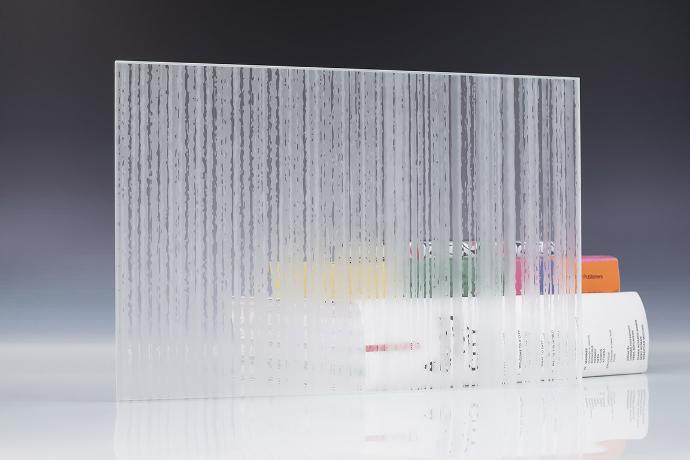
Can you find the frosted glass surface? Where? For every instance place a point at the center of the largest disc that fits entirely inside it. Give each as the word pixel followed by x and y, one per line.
pixel 290 230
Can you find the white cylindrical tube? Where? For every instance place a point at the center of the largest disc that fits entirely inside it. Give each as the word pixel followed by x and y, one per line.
pixel 615 334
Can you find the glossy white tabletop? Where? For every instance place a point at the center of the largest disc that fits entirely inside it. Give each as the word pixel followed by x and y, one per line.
pixel 56 401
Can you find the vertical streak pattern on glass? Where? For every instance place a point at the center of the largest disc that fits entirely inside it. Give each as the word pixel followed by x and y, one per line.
pixel 288 230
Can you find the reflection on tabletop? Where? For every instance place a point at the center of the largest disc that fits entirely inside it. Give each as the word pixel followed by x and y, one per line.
pixel 591 420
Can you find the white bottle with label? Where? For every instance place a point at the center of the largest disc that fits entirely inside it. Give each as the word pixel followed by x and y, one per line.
pixel 615 334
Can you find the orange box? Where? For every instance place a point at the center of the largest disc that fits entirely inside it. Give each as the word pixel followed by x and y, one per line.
pixel 600 274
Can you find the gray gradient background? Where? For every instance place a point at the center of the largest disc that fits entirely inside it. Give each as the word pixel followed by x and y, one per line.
pixel 56 125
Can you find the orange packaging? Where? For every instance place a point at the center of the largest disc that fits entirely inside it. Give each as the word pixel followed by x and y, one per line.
pixel 600 274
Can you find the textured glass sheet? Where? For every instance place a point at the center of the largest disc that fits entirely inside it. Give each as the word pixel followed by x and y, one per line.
pixel 291 230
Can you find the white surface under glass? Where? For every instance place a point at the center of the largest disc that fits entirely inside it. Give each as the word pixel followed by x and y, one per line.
pixel 57 401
